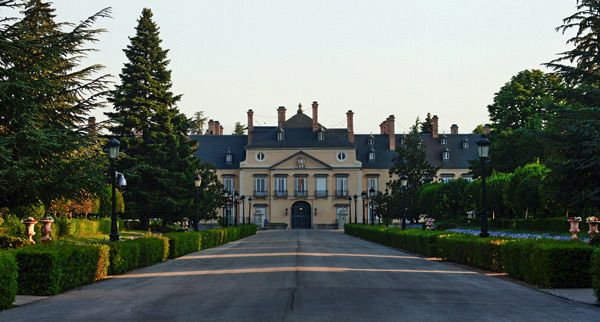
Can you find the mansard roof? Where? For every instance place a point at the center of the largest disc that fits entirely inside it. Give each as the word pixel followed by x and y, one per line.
pixel 266 137
pixel 213 148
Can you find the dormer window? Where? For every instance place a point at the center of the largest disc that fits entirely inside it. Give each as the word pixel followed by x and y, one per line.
pixel 371 140
pixel 444 140
pixel 402 142
pixel 446 155
pixel 280 134
pixel 465 144
pixel 321 136
pixel 229 157
pixel 372 154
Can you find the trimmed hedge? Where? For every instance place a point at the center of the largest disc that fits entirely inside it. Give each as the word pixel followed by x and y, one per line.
pixel 51 269
pixel 8 279
pixel 545 263
pixel 550 225
pixel 596 273
pixel 188 242
pixel 135 253
pixel 12 242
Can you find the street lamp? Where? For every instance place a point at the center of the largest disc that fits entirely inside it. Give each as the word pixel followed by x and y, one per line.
pixel 243 199
pixel 236 196
pixel 364 197
pixel 249 208
pixel 372 215
pixel 197 184
pixel 355 197
pixel 483 149
pixel 225 215
pixel 350 209
pixel 403 187
pixel 113 153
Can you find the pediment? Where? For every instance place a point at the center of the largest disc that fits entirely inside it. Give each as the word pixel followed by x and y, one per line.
pixel 300 160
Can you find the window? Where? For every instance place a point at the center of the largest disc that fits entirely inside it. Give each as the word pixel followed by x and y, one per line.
pixel 260 186
pixel 301 190
pixel 321 136
pixel 467 177
pixel 260 214
pixel 372 155
pixel 444 140
pixel 229 184
pixel 371 140
pixel 260 156
pixel 446 155
pixel 280 187
pixel 229 157
pixel 341 213
pixel 321 187
pixel 372 182
pixel 447 179
pixel 280 135
pixel 341 186
pixel 465 144
pixel 341 156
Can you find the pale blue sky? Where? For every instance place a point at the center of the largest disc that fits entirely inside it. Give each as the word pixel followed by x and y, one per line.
pixel 377 57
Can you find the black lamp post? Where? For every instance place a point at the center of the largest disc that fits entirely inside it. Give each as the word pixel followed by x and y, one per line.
pixel 243 200
pixel 483 149
pixel 403 187
pixel 236 196
pixel 350 209
pixel 355 197
pixel 372 216
pixel 197 184
pixel 225 215
pixel 113 153
pixel 364 198
pixel 249 208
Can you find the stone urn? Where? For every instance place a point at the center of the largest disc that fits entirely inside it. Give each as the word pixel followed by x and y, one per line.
pixel 593 226
pixel 185 224
pixel 30 228
pixel 46 229
pixel 430 224
pixel 574 230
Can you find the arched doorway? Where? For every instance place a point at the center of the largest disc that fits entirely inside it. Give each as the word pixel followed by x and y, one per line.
pixel 301 215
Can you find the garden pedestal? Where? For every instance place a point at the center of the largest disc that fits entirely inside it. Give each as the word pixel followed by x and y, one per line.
pixel 593 231
pixel 46 229
pixel 30 228
pixel 574 222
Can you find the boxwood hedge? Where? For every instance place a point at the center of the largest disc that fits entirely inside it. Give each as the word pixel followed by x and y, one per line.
pixel 8 279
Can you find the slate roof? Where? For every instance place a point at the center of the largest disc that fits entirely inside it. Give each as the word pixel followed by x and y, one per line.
pixel 266 137
pixel 213 148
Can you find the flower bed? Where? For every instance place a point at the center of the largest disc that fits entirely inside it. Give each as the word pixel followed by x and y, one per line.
pixel 511 234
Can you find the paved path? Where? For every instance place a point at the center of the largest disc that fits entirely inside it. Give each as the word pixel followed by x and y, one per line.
pixel 298 275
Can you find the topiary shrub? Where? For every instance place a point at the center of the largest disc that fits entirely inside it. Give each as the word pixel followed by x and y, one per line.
pixel 8 279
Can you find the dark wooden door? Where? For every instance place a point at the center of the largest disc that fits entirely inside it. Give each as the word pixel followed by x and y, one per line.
pixel 301 215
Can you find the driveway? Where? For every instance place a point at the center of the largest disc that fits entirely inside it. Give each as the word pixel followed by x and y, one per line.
pixel 303 275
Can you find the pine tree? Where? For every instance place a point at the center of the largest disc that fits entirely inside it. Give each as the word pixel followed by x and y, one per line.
pixel 427 125
pixel 44 98
pixel 239 129
pixel 198 123
pixel 411 161
pixel 159 161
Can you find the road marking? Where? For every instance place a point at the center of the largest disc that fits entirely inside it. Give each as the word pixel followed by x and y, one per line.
pixel 294 254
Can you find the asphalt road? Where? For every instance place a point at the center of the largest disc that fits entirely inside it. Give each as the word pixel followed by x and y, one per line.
pixel 303 275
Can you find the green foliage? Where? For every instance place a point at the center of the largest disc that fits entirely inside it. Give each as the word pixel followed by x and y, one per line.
pixel 525 193
pixel 545 263
pixel 188 242
pixel 427 125
pixel 8 279
pixel 141 252
pixel 550 225
pixel 12 242
pixel 452 199
pixel 198 123
pixel 45 96
pixel 51 269
pixel 239 129
pixel 105 199
pixel 595 271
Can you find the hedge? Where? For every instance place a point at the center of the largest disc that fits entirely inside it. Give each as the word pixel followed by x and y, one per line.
pixel 51 269
pixel 8 279
pixel 135 253
pixel 596 273
pixel 551 225
pixel 188 242
pixel 545 263
pixel 12 242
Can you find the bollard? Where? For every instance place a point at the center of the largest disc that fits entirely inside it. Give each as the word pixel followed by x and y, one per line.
pixel 47 229
pixel 30 228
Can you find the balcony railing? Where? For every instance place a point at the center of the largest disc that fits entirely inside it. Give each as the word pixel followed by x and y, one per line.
pixel 260 194
pixel 341 193
pixel 280 193
pixel 321 193
pixel 301 193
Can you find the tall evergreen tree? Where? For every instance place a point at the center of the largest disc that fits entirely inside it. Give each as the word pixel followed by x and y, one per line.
pixel 412 162
pixel 44 98
pixel 427 124
pixel 239 129
pixel 574 134
pixel 158 161
pixel 198 123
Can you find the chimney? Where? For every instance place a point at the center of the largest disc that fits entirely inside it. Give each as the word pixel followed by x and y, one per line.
pixel 220 130
pixel 350 124
pixel 434 126
pixel 92 126
pixel 250 125
pixel 391 127
pixel 217 130
pixel 211 127
pixel 383 127
pixel 454 129
pixel 280 116
pixel 315 116
pixel 487 129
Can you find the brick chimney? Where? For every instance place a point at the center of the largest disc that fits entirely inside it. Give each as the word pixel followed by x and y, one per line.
pixel 454 129
pixel 211 127
pixel 487 129
pixel 350 123
pixel 280 116
pixel 250 125
pixel 217 129
pixel 391 127
pixel 92 126
pixel 220 130
pixel 434 127
pixel 315 116
pixel 383 127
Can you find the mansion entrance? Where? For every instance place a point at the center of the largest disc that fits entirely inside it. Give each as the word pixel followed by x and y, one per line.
pixel 301 215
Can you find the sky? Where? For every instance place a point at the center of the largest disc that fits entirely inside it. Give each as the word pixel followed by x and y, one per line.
pixel 377 57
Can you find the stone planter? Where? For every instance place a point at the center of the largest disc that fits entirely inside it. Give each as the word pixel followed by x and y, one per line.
pixel 593 228
pixel 574 230
pixel 47 229
pixel 430 223
pixel 30 228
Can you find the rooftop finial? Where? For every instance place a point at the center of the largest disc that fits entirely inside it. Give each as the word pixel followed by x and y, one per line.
pixel 299 108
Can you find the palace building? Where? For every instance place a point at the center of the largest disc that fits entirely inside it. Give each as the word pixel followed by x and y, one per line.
pixel 303 174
